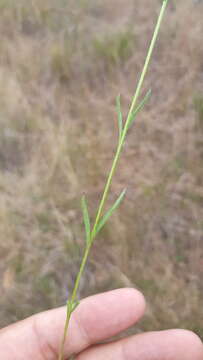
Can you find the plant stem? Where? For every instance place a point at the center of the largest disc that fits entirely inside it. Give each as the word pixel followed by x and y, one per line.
pixel 61 352
pixel 149 54
pixel 73 297
pixel 111 173
pixel 134 101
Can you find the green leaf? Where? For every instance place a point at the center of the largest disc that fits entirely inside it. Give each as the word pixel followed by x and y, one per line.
pixel 139 107
pixel 110 212
pixel 120 116
pixel 71 306
pixel 86 219
pixel 75 304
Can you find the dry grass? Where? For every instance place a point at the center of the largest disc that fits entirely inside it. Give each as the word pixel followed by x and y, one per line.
pixel 60 71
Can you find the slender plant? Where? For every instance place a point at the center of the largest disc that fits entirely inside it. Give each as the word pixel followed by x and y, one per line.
pixel 100 219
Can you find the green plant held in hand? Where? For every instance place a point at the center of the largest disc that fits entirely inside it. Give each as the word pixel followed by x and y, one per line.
pixel 101 219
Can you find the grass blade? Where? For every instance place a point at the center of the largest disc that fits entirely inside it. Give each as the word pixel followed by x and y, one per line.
pixel 139 107
pixel 110 212
pixel 120 116
pixel 86 219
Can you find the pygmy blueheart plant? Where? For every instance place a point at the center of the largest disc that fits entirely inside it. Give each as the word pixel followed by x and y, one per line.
pixel 100 219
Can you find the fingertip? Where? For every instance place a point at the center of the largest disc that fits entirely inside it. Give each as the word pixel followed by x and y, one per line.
pixel 139 299
pixel 190 341
pixel 135 301
pixel 111 312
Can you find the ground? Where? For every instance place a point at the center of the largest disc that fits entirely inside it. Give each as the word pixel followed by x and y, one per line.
pixel 62 65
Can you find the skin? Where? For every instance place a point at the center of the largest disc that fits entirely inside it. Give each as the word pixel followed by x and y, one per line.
pixel 96 319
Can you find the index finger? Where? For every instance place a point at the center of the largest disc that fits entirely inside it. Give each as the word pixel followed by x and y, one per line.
pixel 95 319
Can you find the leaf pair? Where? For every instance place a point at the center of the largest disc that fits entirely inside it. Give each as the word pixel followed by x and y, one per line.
pixel 71 305
pixel 103 220
pixel 132 115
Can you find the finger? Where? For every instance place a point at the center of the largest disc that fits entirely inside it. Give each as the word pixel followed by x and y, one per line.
pixel 95 319
pixel 163 345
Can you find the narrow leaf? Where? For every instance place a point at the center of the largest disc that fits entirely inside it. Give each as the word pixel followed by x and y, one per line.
pixel 139 107
pixel 71 306
pixel 110 211
pixel 120 117
pixel 86 218
pixel 75 304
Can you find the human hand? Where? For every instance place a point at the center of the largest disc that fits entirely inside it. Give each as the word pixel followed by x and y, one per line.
pixel 96 319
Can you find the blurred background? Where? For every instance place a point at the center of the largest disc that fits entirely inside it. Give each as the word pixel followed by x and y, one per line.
pixel 62 64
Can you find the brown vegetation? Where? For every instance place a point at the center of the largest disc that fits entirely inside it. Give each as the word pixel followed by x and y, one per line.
pixel 61 68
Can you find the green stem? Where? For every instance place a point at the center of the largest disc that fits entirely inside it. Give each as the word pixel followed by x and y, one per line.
pixel 107 187
pixel 73 298
pixel 146 64
pixel 137 93
pixel 61 352
pixel 110 176
pixel 77 282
